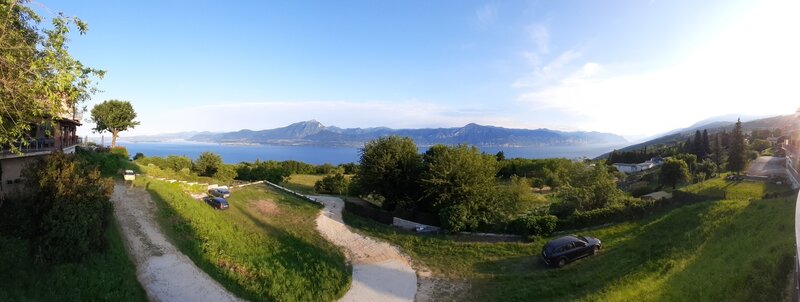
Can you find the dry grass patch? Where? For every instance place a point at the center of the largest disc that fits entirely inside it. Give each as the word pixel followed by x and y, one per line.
pixel 266 207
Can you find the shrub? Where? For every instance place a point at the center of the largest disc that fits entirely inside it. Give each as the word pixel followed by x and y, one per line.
pixel 534 225
pixel 71 208
pixel 333 184
pixel 120 151
pixel 456 218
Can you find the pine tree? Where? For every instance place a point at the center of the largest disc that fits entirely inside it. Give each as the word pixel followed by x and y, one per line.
pixel 698 149
pixel 706 142
pixel 736 156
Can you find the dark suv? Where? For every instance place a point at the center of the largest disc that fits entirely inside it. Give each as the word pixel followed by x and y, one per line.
pixel 217 202
pixel 569 248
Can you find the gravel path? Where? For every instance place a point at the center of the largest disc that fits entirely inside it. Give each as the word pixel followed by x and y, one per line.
pixel 380 271
pixel 165 273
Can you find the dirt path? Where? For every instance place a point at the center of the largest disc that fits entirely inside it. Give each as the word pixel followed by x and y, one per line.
pixel 164 272
pixel 380 271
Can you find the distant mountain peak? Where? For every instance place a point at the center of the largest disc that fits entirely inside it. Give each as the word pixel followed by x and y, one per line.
pixel 313 132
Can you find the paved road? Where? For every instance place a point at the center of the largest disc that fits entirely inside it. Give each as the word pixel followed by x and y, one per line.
pixel 165 273
pixel 380 271
pixel 767 166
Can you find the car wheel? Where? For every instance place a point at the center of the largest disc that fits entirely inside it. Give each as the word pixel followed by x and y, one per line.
pixel 595 249
pixel 561 262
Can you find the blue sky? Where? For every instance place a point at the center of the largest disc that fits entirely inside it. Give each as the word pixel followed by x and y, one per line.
pixel 628 67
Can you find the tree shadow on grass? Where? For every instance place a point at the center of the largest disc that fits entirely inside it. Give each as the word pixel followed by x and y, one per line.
pixel 525 279
pixel 747 260
pixel 294 257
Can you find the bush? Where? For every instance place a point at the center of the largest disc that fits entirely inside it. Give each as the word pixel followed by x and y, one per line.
pixel 332 184
pixel 139 155
pixel 120 151
pixel 71 208
pixel 534 225
pixel 456 219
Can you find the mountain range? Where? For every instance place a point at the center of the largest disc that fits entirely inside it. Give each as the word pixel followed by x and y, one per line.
pixel 315 133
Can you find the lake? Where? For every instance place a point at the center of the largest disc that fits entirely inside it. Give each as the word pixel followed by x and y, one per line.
pixel 232 154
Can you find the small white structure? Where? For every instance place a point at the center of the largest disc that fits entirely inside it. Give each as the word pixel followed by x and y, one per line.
pixel 633 168
pixel 129 175
pixel 656 196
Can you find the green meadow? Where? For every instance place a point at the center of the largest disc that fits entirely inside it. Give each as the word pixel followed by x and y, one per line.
pixel 735 249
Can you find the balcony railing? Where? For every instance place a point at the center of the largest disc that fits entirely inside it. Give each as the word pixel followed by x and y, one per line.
pixel 43 144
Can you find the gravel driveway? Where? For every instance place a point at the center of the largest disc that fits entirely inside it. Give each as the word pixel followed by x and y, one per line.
pixel 380 271
pixel 165 273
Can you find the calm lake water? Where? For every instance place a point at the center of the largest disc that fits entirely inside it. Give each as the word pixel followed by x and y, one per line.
pixel 334 155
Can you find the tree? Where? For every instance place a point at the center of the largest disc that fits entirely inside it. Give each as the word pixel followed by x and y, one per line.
pixel 501 156
pixel 333 184
pixel 71 208
pixel 706 144
pixel 706 169
pixel 207 164
pixel 139 155
pixel 673 172
pixel 736 151
pixel 113 116
pixel 699 148
pixel 390 167
pixel 592 189
pixel 225 173
pixel 177 163
pixel 690 160
pixel 461 178
pixel 40 81
pixel 760 145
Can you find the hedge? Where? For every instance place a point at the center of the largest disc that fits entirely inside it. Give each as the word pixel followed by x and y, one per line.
pixel 533 225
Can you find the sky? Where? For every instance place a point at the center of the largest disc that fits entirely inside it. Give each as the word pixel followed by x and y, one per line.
pixel 634 68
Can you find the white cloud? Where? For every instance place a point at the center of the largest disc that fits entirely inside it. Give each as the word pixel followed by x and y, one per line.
pixel 751 68
pixel 486 14
pixel 540 35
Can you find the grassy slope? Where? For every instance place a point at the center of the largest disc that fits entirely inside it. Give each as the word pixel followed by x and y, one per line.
pixel 278 256
pixel 302 183
pixel 724 250
pixel 108 276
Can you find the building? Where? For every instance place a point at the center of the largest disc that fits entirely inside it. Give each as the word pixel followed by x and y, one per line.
pixel 45 138
pixel 633 168
pixel 657 196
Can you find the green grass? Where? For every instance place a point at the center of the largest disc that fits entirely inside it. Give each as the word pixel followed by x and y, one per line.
pixel 729 250
pixel 722 189
pixel 272 256
pixel 155 171
pixel 302 183
pixel 105 276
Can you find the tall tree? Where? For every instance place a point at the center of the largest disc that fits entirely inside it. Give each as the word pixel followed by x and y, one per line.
pixel 113 116
pixel 501 156
pixel 698 148
pixel 706 143
pixel 390 167
pixel 673 172
pixel 736 156
pixel 40 82
pixel 207 164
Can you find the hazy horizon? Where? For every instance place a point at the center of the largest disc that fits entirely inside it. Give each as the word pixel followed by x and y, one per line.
pixel 635 68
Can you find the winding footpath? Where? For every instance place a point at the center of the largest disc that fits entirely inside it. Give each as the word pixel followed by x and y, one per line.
pixel 165 273
pixel 380 271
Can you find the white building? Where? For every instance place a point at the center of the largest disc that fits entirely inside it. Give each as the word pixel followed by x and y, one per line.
pixel 633 168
